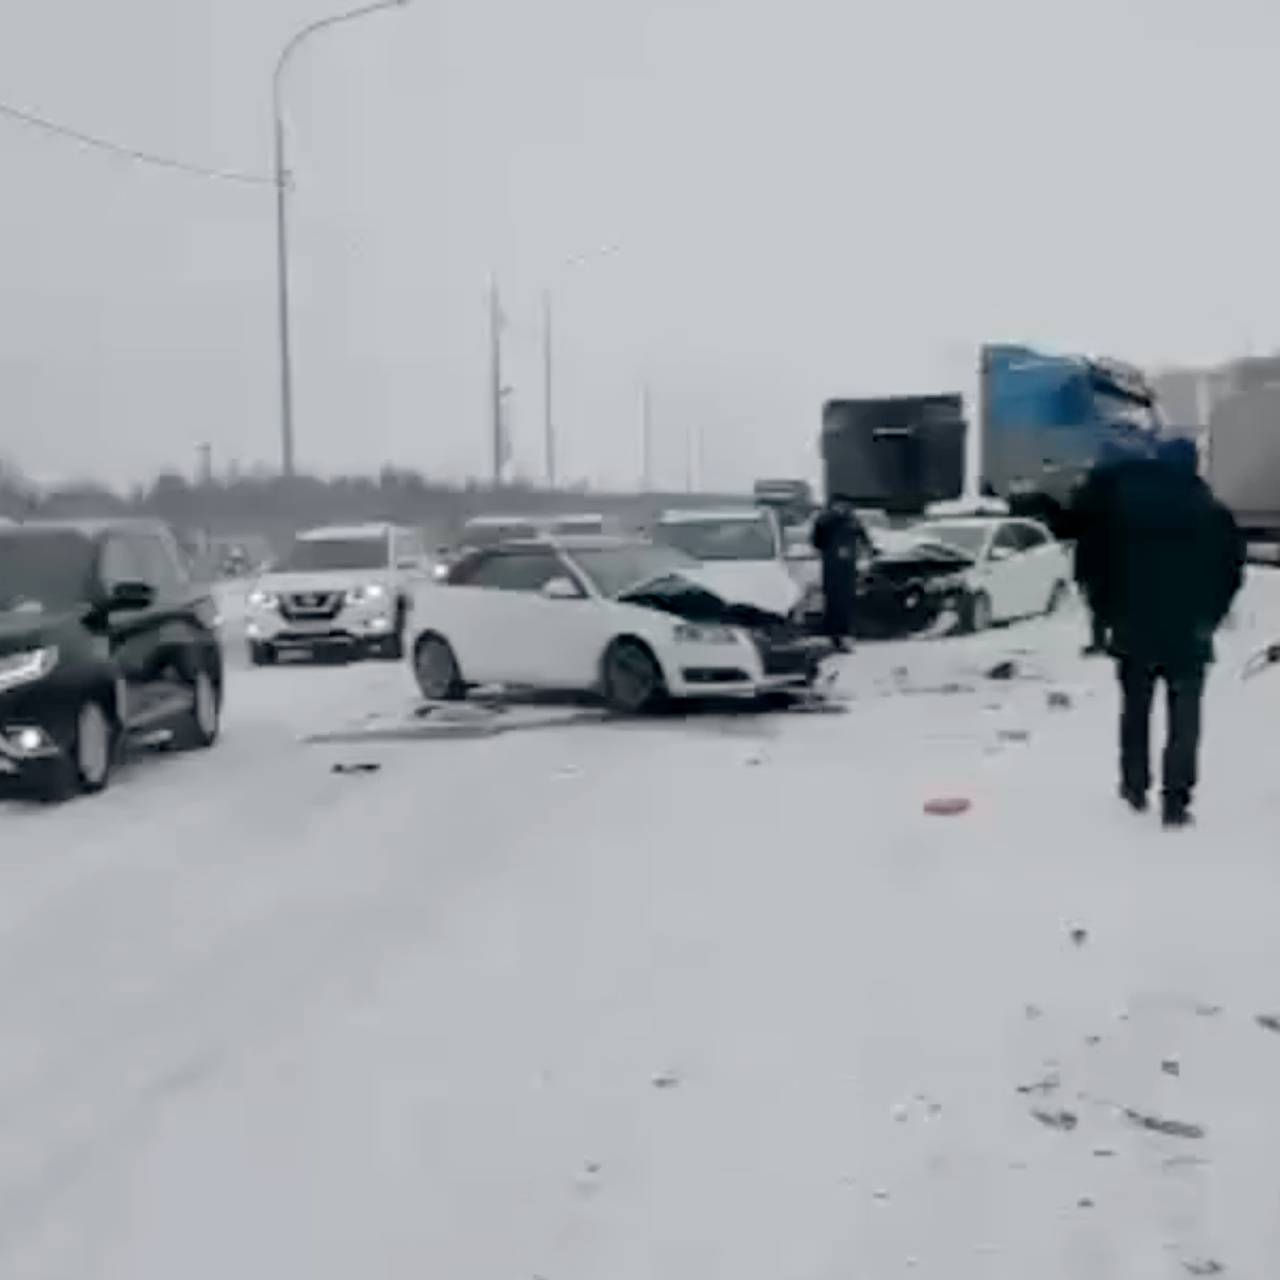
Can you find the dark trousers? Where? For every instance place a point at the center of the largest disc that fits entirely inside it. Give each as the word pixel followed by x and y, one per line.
pixel 1097 633
pixel 1184 691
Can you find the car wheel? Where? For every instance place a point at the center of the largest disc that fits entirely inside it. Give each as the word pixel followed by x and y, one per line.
pixel 633 681
pixel 201 725
pixel 978 613
pixel 88 757
pixel 262 655
pixel 435 668
pixel 393 646
pixel 1056 597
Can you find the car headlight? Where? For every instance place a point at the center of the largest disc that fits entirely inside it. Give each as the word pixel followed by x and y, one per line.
pixel 370 594
pixel 703 633
pixel 28 666
pixel 440 572
pixel 263 599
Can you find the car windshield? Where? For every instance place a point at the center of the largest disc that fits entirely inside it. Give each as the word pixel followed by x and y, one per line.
pixel 729 539
pixel 966 538
pixel 41 571
pixel 323 555
pixel 614 570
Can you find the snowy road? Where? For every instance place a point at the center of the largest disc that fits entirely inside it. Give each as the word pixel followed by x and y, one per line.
pixel 694 999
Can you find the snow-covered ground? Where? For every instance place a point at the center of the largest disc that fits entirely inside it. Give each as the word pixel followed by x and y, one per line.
pixel 706 997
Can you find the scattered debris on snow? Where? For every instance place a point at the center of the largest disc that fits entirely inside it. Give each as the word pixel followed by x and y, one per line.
pixel 1065 1121
pixel 1078 935
pixel 947 806
pixel 666 1080
pixel 1045 1087
pixel 1157 1124
pixel 1204 1267
pixel 1032 1012
pixel 359 767
pixel 1268 1022
pixel 1003 670
pixel 1171 1067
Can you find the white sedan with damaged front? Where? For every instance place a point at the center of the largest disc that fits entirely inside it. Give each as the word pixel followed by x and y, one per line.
pixel 628 619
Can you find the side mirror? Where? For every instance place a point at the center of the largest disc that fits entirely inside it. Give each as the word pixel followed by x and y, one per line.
pixel 561 589
pixel 130 597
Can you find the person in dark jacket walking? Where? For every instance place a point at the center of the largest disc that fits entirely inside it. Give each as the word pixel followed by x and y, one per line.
pixel 1172 564
pixel 1087 524
pixel 838 536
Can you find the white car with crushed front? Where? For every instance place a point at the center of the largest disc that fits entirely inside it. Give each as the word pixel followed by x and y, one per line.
pixel 623 617
pixel 741 551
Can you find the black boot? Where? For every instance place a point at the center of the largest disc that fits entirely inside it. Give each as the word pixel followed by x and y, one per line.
pixel 1176 812
pixel 1135 799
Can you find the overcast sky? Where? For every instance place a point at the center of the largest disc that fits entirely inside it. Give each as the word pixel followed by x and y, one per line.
pixel 808 198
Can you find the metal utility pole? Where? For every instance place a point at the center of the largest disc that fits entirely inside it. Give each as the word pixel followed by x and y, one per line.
pixel 646 439
pixel 495 385
pixel 282 182
pixel 548 386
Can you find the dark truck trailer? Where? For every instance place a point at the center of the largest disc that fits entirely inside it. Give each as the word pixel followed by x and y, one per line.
pixel 895 454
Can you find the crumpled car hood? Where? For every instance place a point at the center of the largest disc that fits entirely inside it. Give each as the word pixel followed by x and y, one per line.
pixel 684 598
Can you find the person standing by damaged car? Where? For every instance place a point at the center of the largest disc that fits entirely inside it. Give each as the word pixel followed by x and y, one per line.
pixel 1088 528
pixel 839 537
pixel 1172 563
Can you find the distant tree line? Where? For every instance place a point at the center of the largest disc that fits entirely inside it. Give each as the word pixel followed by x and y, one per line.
pixel 274 508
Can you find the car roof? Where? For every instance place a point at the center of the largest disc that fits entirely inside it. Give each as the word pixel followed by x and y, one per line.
pixel 91 528
pixel 352 531
pixel 569 543
pixel 697 515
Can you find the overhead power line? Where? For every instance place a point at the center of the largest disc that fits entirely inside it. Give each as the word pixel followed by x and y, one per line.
pixel 133 153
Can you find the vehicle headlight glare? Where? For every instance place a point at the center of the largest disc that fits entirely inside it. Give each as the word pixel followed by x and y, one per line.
pixel 262 599
pixel 28 666
pixel 702 633
pixel 367 594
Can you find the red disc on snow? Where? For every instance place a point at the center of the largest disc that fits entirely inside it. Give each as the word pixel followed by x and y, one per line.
pixel 947 806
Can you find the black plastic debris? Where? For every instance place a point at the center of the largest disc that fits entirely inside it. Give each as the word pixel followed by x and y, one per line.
pixel 1065 1121
pixel 1085 1202
pixel 1059 701
pixel 1170 1128
pixel 1208 1010
pixel 1079 935
pixel 1050 1084
pixel 666 1080
pixel 358 767
pixel 1204 1267
pixel 1171 1067
pixel 1093 1041
pixel 1104 1153
pixel 1268 1022
pixel 1003 670
pixel 1032 1012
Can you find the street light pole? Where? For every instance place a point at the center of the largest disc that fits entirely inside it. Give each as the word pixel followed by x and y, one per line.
pixel 282 179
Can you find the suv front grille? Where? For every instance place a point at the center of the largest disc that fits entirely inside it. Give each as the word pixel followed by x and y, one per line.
pixel 311 606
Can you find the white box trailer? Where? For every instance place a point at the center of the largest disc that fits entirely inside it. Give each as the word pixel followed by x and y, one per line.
pixel 1244 459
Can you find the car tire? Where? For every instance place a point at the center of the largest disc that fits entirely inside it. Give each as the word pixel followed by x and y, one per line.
pixel 261 655
pixel 199 728
pixel 977 613
pixel 88 757
pixel 632 680
pixel 392 648
pixel 435 668
pixel 1056 597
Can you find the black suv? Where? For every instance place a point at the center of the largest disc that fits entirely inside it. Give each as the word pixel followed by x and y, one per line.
pixel 103 637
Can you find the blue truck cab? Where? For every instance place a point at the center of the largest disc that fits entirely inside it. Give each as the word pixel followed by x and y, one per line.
pixel 1045 419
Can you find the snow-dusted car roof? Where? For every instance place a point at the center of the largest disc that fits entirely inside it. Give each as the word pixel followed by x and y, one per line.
pixel 699 515
pixel 346 531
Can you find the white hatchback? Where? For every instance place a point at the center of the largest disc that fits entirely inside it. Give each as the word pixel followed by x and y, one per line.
pixel 624 617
